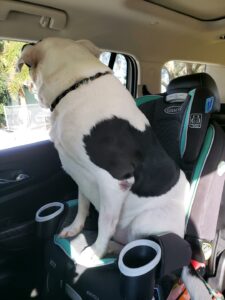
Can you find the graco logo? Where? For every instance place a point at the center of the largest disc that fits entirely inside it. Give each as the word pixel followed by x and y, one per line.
pixel 172 109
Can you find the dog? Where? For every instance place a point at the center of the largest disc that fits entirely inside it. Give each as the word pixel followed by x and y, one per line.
pixel 106 144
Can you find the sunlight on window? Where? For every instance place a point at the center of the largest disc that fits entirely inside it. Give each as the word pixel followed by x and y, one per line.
pixel 119 66
pixel 175 68
pixel 105 57
pixel 22 120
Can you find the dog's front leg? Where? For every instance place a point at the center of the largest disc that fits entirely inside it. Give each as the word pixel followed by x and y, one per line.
pixel 112 198
pixel 106 224
pixel 78 223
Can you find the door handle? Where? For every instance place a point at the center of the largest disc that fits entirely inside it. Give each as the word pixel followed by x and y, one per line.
pixel 20 177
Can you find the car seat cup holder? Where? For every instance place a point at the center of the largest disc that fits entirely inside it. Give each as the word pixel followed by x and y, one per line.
pixel 47 219
pixel 137 263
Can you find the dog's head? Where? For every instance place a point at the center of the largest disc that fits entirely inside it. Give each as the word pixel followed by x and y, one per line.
pixel 56 63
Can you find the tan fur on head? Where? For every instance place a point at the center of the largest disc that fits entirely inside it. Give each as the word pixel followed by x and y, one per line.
pixel 57 63
pixel 91 47
pixel 28 57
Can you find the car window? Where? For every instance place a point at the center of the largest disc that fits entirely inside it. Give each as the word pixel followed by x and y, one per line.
pixel 124 68
pixel 22 120
pixel 119 65
pixel 175 68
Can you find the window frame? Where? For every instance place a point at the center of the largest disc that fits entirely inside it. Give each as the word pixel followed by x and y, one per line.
pixel 132 70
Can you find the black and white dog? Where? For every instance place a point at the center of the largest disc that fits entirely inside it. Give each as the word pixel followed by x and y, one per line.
pixel 106 145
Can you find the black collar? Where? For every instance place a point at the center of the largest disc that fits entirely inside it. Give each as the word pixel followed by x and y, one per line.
pixel 75 86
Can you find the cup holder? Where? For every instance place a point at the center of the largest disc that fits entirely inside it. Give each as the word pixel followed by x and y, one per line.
pixel 137 263
pixel 48 218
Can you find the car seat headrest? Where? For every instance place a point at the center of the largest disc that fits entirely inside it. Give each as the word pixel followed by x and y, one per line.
pixel 178 89
pixel 181 116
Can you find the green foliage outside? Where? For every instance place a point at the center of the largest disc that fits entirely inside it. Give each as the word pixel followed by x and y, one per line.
pixel 11 83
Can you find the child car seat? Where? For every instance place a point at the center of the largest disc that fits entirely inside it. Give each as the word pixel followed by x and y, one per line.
pixel 63 277
pixel 181 120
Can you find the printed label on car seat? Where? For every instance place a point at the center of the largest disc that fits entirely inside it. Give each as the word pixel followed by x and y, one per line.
pixel 195 121
pixel 172 109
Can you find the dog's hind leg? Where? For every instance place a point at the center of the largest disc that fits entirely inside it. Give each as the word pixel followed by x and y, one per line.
pixel 108 219
pixel 156 221
pixel 78 223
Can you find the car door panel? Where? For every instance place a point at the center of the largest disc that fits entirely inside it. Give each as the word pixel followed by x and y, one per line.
pixel 41 180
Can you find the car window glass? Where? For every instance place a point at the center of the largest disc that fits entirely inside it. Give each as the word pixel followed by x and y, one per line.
pixel 175 68
pixel 119 65
pixel 22 119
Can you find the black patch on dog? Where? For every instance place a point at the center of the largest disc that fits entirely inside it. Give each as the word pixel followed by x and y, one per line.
pixel 124 151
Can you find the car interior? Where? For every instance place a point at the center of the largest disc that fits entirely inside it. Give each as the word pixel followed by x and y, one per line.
pixel 170 56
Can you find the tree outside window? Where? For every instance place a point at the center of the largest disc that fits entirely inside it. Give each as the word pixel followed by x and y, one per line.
pixel 175 68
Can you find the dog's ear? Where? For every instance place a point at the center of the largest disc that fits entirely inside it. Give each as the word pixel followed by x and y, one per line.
pixel 91 47
pixel 28 57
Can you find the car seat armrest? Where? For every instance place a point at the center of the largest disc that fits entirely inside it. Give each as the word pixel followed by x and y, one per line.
pixel 176 253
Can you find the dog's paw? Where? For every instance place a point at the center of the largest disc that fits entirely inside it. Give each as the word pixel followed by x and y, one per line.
pixel 89 257
pixel 70 231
